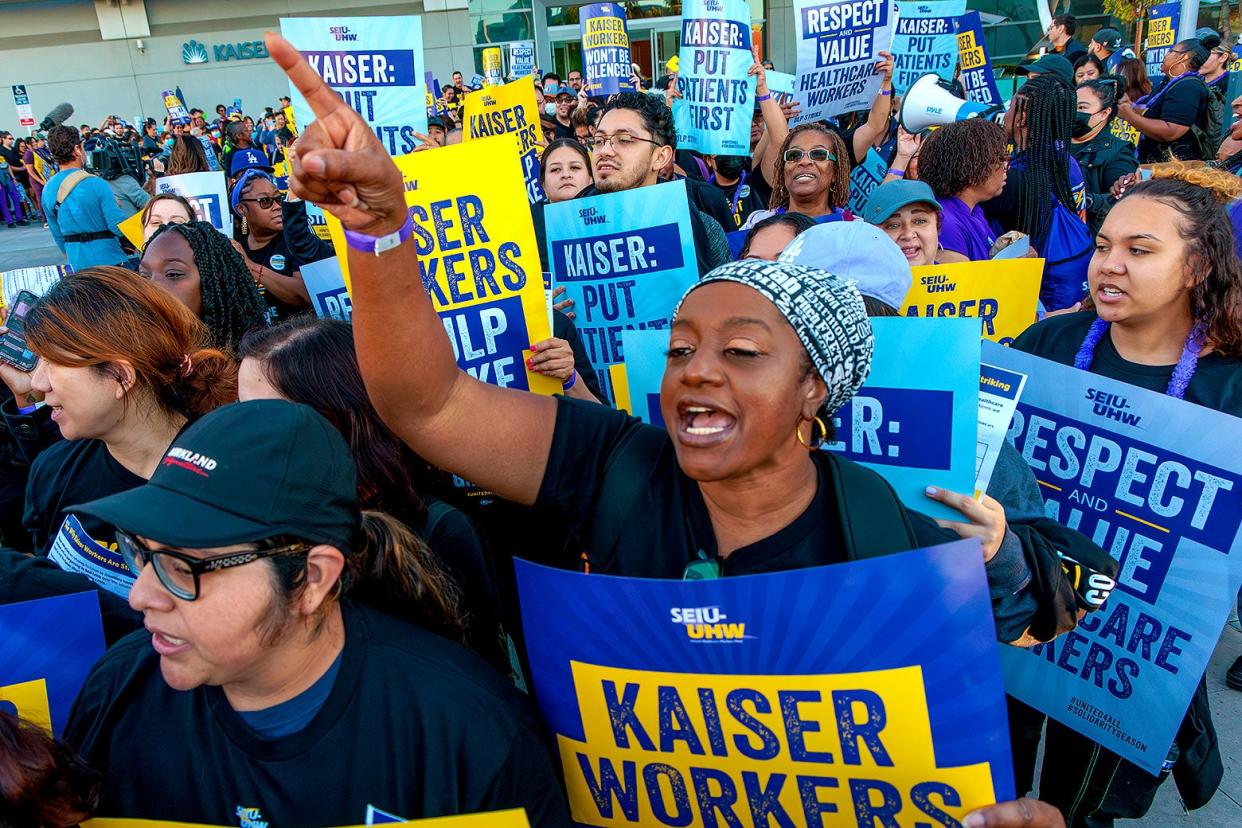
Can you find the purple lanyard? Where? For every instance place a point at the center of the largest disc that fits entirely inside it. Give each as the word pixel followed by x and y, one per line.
pixel 1183 372
pixel 1149 100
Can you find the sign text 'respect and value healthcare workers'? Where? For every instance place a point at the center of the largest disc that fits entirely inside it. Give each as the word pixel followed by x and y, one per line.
pixel 1142 474
pixel 477 256
pixel 509 108
pixel 753 701
pixel 839 42
pixel 606 68
pixel 713 114
pixel 625 259
pixel 925 41
pixel 375 63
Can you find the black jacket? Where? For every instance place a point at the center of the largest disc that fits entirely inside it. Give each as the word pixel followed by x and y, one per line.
pixel 1103 160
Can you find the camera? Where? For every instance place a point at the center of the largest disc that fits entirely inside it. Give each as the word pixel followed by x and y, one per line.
pixel 108 158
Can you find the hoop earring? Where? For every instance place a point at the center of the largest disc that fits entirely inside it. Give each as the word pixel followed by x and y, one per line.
pixel 814 444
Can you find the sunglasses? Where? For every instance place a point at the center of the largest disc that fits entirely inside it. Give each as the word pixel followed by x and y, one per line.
pixel 266 202
pixel 179 573
pixel 793 156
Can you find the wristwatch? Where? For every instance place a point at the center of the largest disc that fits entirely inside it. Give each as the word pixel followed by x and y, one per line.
pixel 365 243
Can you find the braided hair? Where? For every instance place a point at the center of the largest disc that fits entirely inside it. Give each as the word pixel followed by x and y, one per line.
pixel 232 304
pixel 1047 104
pixel 838 187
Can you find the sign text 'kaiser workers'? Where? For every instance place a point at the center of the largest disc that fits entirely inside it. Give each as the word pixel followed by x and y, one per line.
pixel 775 699
pixel 374 63
pixel 1145 477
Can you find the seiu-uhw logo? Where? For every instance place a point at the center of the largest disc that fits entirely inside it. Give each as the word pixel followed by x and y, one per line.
pixel 708 625
pixel 711 5
pixel 250 817
pixel 1112 406
pixel 590 216
pixel 342 33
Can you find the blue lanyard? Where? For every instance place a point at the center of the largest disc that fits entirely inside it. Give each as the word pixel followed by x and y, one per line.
pixel 737 194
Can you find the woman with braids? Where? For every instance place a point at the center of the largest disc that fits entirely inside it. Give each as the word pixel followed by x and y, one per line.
pixel 811 176
pixel 1164 313
pixel 966 164
pixel 196 263
pixel 1103 157
pixel 1039 196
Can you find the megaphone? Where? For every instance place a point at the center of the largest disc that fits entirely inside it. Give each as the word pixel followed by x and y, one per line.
pixel 929 104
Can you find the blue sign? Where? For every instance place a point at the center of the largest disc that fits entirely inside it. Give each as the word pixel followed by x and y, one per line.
pixel 755 701
pixel 375 63
pixel 864 178
pixel 646 353
pixel 625 259
pixel 839 42
pixel 605 49
pixel 326 286
pixel 972 55
pixel 1143 475
pixel 717 94
pixel 1162 23
pixel 925 41
pixel 47 649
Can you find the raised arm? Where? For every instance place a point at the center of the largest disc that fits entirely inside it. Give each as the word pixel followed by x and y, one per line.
pixel 496 438
pixel 877 120
pixel 776 126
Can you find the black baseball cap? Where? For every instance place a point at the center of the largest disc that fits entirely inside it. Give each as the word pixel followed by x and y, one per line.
pixel 1050 64
pixel 245 472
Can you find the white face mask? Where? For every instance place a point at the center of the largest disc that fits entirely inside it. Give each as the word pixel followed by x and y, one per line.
pixel 550 108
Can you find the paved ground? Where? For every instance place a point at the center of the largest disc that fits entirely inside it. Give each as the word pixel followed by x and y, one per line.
pixel 30 246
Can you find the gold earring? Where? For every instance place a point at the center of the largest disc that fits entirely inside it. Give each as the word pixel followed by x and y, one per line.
pixel 823 434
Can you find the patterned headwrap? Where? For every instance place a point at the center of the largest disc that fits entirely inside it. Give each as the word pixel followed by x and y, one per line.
pixel 825 311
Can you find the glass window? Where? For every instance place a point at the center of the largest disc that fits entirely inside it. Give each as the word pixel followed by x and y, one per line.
pixel 501 28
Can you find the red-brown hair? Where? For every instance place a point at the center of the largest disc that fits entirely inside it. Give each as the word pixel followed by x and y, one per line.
pixel 42 782
pixel 104 315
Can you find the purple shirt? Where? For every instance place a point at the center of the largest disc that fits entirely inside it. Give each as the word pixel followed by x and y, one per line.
pixel 965 231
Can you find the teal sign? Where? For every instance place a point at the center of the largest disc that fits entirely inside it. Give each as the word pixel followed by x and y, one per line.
pixel 192 51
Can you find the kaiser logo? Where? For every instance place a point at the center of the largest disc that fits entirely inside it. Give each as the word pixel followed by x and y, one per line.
pixel 1112 407
pixel 193 52
pixel 707 625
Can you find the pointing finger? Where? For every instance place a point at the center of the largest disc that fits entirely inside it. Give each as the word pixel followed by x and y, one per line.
pixel 318 94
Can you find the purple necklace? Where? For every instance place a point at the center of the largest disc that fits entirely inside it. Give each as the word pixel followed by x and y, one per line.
pixel 1182 372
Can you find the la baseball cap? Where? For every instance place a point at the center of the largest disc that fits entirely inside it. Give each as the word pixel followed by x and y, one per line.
pixel 251 158
pixel 245 472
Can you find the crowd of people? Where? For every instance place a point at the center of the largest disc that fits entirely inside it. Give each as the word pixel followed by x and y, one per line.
pixel 277 498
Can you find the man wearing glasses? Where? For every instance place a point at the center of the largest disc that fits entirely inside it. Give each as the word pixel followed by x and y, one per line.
pixel 574 80
pixel 1173 118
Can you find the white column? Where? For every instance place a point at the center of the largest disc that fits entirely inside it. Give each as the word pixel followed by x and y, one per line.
pixel 543 46
pixel 1190 19
pixel 1045 15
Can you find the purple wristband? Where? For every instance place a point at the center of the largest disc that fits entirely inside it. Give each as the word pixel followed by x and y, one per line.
pixel 896 172
pixel 380 244
pixel 573 380
pixel 762 98
pixel 29 409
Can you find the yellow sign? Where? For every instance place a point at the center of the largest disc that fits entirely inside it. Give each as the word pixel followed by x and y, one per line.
pixel 970 53
pixel 1124 131
pixel 1160 32
pixel 509 109
pixel 491 66
pixel 290 121
pixel 30 700
pixel 806 746
pixel 478 256
pixel 1000 293
pixel 131 228
pixel 620 382
pixel 498 819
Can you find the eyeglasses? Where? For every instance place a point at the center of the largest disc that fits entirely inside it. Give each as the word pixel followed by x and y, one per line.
pixel 179 573
pixel 793 156
pixel 266 202
pixel 619 140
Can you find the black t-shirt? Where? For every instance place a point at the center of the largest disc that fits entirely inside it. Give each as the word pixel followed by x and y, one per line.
pixel 1185 103
pixel 743 200
pixel 285 253
pixel 414 725
pixel 70 473
pixel 10 154
pixel 564 328
pixel 675 523
pixel 1216 384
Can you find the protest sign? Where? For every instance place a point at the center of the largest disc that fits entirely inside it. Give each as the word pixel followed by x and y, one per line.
pixel 754 701
pixel 864 178
pixel 1124 131
pixel 510 108
pixel 625 259
pixel 521 58
pixel 131 229
pixel 493 74
pixel 213 162
pixel 1143 475
pixel 781 86
pixel 74 550
pixel 37 280
pixel 999 392
pixel 177 113
pixel 50 646
pixel 605 49
pixel 713 114
pixel 972 55
pixel 435 106
pixel 477 257
pixel 1162 22
pixel 646 353
pixel 925 41
pixel 497 819
pixel 374 63
pixel 915 422
pixel 838 45
pixel 1001 293
pixel 326 287
pixel 206 193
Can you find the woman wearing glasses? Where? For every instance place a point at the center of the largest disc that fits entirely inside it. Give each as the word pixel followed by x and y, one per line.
pixel 275 239
pixel 811 176
pixel 287 650
pixel 965 164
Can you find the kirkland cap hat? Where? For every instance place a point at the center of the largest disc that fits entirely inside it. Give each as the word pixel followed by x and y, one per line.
pixel 1055 65
pixel 1110 39
pixel 245 472
pixel 857 252
pixel 888 198
pixel 252 158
